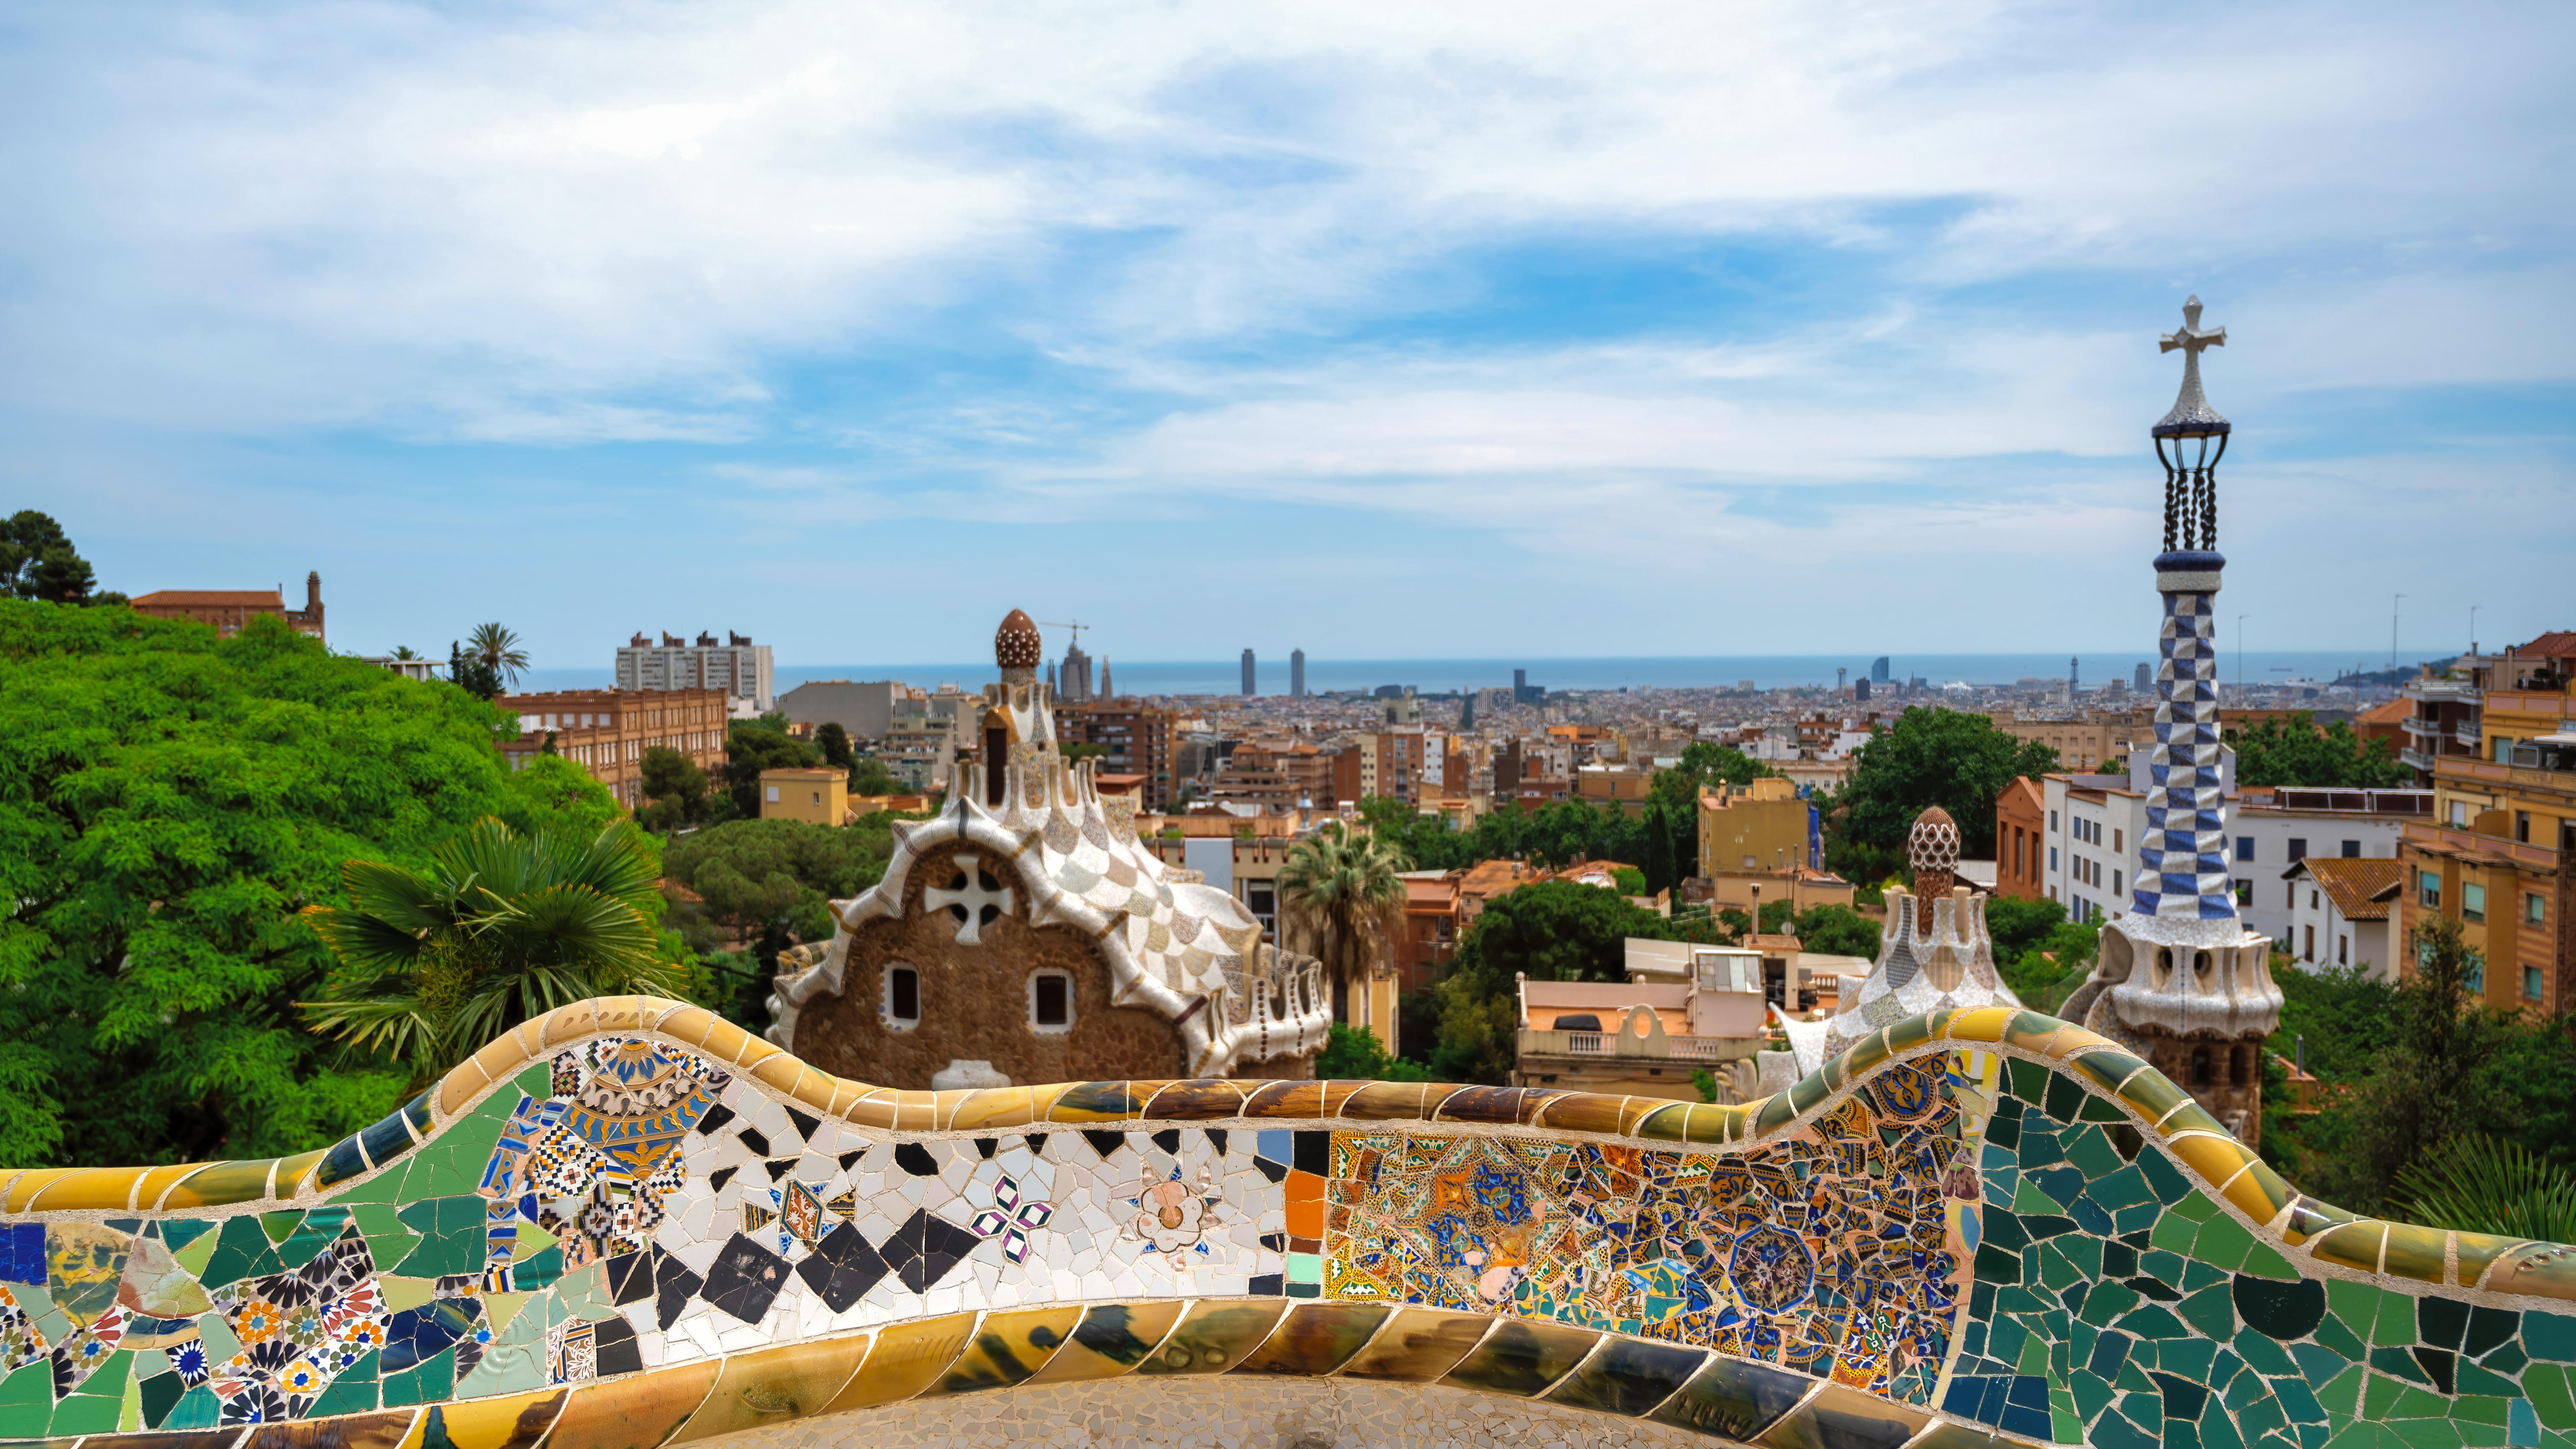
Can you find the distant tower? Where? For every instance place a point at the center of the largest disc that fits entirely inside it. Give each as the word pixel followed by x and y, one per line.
pixel 1878 670
pixel 2139 681
pixel 1860 690
pixel 1297 674
pixel 2180 980
pixel 1073 681
pixel 1838 679
pixel 2072 687
pixel 1247 674
pixel 1105 691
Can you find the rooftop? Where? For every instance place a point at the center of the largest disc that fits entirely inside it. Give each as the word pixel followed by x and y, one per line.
pixel 246 598
pixel 2352 884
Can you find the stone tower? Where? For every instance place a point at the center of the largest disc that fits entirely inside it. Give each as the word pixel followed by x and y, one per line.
pixel 2180 979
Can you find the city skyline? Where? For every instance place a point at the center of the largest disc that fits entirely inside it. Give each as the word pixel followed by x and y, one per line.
pixel 1714 326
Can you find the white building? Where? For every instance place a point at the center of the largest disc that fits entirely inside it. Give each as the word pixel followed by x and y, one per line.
pixel 2095 823
pixel 2339 913
pixel 738 667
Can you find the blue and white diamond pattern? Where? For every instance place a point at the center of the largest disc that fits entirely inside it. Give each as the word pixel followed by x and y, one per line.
pixel 2183 859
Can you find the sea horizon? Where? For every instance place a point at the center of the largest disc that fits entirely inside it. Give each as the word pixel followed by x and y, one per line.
pixel 1443 676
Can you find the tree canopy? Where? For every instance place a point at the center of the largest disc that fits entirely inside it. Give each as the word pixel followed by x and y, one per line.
pixel 37 561
pixel 1551 931
pixel 754 745
pixel 169 804
pixel 1957 761
pixel 769 882
pixel 2296 751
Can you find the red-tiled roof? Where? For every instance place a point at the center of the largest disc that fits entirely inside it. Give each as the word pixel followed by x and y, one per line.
pixel 200 598
pixel 2352 884
pixel 2558 645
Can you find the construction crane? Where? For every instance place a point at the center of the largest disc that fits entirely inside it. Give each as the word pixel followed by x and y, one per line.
pixel 1066 624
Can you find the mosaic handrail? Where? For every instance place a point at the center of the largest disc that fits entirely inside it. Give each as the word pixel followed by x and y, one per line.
pixel 1976 1227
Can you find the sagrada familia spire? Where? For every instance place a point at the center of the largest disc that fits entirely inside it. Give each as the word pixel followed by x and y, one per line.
pixel 2180 979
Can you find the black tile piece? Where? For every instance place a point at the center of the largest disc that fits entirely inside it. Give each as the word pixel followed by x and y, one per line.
pixel 842 1267
pixel 630 1278
pixel 2119 1260
pixel 673 1286
pixel 1216 1139
pixel 615 1348
pixel 851 1157
pixel 1104 1143
pixel 2440 1365
pixel 778 1167
pixel 1275 1242
pixel 2152 1287
pixel 745 1279
pixel 1169 1139
pixel 2284 1312
pixel 2065 1099
pixel 1036 1141
pixel 758 1142
pixel 2044 1225
pixel 926 1249
pixel 914 1158
pixel 2004 1230
pixel 985 1147
pixel 1269 1285
pixel 715 1119
pixel 1314 1152
pixel 2183 1398
pixel 804 1125
pixel 720 1177
pixel 2489 1327
pixel 2441 1321
pixel 1275 1171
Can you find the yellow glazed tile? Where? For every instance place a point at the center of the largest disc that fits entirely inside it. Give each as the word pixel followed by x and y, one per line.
pixel 774 1385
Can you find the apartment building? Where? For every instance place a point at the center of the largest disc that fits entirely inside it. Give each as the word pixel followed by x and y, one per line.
pixel 864 709
pixel 1387 762
pixel 1137 739
pixel 738 669
pixel 2094 822
pixel 2339 914
pixel 607 731
pixel 1762 826
pixel 814 796
pixel 2085 741
pixel 1622 785
pixel 2497 852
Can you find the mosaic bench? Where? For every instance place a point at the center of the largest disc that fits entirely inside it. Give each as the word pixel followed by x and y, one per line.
pixel 630 1224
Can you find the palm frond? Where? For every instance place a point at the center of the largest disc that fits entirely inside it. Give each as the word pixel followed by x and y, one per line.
pixel 2478 1184
pixel 403 899
pixel 366 946
pixel 584 925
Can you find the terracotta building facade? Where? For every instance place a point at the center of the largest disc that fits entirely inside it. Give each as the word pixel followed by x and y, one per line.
pixel 231 610
pixel 607 731
pixel 1026 934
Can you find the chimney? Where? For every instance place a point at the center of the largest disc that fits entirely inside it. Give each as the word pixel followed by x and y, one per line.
pixel 313 591
pixel 639 641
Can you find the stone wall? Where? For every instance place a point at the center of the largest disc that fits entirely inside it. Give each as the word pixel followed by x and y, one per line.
pixel 630 1223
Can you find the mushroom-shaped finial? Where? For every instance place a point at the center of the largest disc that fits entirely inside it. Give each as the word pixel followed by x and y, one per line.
pixel 1015 644
pixel 1932 848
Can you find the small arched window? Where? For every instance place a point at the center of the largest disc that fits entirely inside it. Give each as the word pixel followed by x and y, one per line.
pixel 901 1008
pixel 997 749
pixel 1050 1001
pixel 2200 1071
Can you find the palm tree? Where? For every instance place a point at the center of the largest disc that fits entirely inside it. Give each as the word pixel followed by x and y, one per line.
pixel 431 964
pixel 403 651
pixel 499 650
pixel 1342 899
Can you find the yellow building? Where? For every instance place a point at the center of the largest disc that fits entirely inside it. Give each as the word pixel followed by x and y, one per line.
pixel 817 797
pixel 1759 827
pixel 2497 854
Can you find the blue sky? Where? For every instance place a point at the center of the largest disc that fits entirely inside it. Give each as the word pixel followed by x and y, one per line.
pixel 1372 329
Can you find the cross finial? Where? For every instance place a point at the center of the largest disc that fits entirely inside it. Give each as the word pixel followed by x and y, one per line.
pixel 2191 339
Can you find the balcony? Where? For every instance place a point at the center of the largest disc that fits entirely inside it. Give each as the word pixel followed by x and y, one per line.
pixel 1622 1044
pixel 2451 837
pixel 2415 757
pixel 2468 733
pixel 2460 690
pixel 2526 772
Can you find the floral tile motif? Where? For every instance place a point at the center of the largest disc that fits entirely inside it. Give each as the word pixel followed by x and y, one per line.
pixel 1839 1252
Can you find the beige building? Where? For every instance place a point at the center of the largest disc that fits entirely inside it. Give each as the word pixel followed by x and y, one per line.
pixel 1762 826
pixel 815 796
pixel 2093 741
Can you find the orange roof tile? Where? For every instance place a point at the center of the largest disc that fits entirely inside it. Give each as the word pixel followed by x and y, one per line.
pixel 2351 884
pixel 246 598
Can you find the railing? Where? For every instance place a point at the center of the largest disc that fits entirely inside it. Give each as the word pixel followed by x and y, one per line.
pixel 2419 726
pixel 1587 1043
pixel 2415 757
pixel 2531 702
pixel 2467 732
pixel 2439 689
pixel 1705 1048
pixel 2450 837
pixel 2515 775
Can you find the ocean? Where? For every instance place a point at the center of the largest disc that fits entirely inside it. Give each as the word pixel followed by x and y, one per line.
pixel 1440 676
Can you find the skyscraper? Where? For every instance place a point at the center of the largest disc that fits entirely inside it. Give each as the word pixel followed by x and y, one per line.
pixel 1878 670
pixel 1247 674
pixel 1297 674
pixel 1073 681
pixel 2141 683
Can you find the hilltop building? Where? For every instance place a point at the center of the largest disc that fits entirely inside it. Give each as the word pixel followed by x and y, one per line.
pixel 230 610
pixel 1026 934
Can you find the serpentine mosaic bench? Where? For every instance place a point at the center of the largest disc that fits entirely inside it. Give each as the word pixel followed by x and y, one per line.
pixel 630 1224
